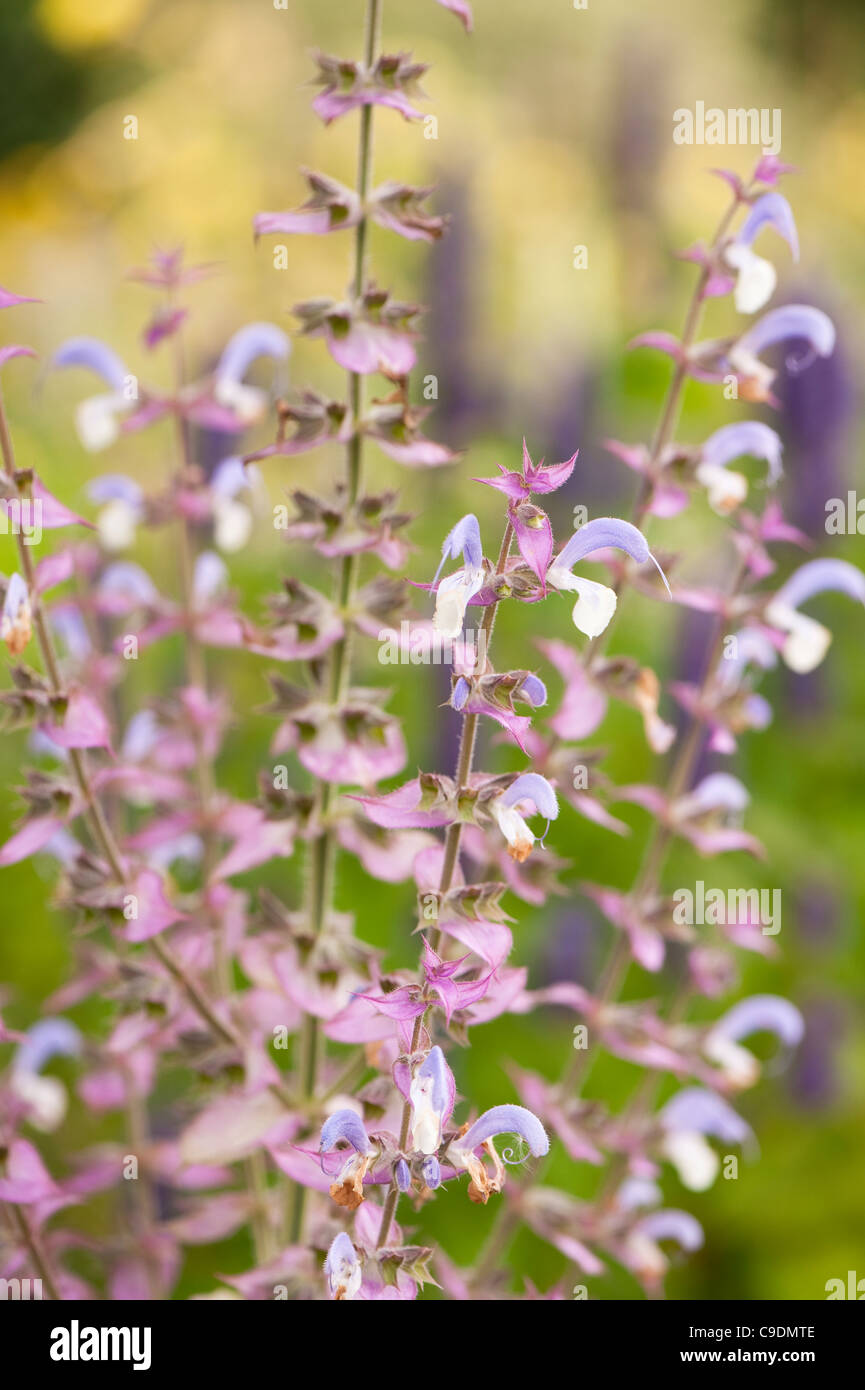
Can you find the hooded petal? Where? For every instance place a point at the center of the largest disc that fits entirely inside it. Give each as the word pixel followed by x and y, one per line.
pixel 344 1126
pixel 790 321
pixel 770 210
pixel 432 1095
pixel 745 437
pixel 342 1269
pixel 50 1037
pixel 505 1119
pixel 95 356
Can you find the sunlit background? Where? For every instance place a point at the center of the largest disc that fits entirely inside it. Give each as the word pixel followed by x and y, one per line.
pixel 554 130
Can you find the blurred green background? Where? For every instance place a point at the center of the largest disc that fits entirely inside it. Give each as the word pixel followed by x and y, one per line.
pixel 554 130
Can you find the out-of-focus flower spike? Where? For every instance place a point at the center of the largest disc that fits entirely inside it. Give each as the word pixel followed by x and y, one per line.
pixel 342 1269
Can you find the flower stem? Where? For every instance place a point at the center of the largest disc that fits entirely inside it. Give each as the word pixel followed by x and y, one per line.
pixel 465 760
pixel 320 875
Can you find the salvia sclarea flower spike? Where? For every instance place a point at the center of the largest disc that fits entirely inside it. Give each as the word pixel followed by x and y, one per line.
pixel 756 278
pixel 725 487
pixel 806 641
pixel 531 787
pixel 342 1269
pixel 346 1127
pixel 454 592
pixel 596 603
pixel 501 1119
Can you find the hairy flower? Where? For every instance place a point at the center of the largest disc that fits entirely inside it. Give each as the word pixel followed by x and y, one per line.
pixel 501 1119
pixel 340 1128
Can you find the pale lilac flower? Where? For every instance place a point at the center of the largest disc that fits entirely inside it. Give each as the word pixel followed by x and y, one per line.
pixel 727 488
pixel 16 626
pixel 97 418
pixel 44 1096
pixel 687 1118
pixel 792 321
pixel 232 520
pixel 501 1119
pixel 642 1252
pixel 342 1269
pixel 346 1127
pixel 122 508
pixel 528 787
pixel 756 278
pixel 249 343
pixel 596 603
pixel 807 641
pixel 432 1100
pixel 761 1012
pixel 454 592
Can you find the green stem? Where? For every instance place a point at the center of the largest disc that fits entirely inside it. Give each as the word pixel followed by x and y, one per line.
pixel 320 878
